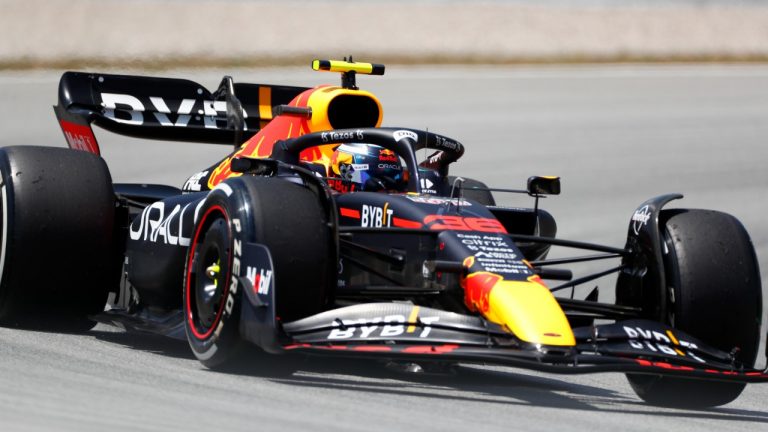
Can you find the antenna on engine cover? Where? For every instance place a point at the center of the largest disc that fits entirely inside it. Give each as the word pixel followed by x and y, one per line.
pixel 348 79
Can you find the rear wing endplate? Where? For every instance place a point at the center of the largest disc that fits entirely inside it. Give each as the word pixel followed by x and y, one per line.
pixel 164 108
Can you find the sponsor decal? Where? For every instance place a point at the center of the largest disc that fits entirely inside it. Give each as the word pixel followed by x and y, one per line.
pixel 383 327
pixel 390 166
pixel 341 185
pixel 327 137
pixel 402 134
pixel 640 219
pixel 193 183
pixel 376 217
pixel 355 149
pixel 441 142
pixel 438 200
pixel 128 109
pixel 485 243
pixel 434 160
pixel 494 254
pixel 79 137
pixel 237 253
pixel 260 278
pixel 156 226
pixel 387 155
pixel 651 340
pixel 426 186
pixel 459 223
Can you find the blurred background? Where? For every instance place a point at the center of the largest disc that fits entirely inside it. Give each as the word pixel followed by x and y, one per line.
pixel 193 33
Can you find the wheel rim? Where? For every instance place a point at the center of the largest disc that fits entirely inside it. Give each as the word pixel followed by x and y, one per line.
pixel 206 289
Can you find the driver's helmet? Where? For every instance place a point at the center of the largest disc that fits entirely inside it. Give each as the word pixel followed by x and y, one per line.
pixel 366 167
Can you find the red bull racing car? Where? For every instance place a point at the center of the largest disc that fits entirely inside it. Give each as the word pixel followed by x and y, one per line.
pixel 324 233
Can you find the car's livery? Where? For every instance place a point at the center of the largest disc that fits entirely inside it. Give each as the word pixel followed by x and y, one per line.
pixel 274 246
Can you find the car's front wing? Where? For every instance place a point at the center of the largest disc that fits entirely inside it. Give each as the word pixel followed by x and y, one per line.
pixel 414 333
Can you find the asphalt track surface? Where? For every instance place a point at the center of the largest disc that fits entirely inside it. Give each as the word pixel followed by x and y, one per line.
pixel 616 136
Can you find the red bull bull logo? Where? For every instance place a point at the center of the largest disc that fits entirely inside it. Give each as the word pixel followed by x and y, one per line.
pixel 387 155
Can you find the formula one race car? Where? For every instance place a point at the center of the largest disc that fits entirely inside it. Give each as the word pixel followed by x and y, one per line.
pixel 322 233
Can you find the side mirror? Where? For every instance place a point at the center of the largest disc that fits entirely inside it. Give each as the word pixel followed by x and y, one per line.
pixel 262 167
pixel 544 185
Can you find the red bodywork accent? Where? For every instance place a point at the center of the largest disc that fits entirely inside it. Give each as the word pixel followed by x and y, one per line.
pixel 256 281
pixel 430 349
pixel 296 346
pixel 350 213
pixel 458 223
pixel 261 144
pixel 405 223
pixel 664 365
pixel 414 349
pixel 79 137
pixel 477 290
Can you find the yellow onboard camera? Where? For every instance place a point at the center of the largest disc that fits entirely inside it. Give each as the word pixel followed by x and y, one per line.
pixel 348 69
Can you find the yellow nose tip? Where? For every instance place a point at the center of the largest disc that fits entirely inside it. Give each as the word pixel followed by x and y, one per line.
pixel 526 308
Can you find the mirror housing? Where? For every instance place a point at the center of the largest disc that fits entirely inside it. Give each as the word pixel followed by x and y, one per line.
pixel 543 185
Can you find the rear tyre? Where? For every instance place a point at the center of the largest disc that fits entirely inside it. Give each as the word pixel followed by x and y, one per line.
pixel 712 273
pixel 285 217
pixel 484 197
pixel 56 243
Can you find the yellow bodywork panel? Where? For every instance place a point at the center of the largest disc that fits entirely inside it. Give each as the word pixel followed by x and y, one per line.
pixel 531 312
pixel 324 108
pixel 526 308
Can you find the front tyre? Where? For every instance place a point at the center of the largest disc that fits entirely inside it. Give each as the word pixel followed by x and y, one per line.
pixel 290 221
pixel 715 294
pixel 211 305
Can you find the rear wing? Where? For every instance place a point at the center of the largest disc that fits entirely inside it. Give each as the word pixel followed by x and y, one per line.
pixel 164 108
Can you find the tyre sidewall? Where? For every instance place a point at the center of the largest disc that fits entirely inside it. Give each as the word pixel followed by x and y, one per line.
pixel 8 298
pixel 222 340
